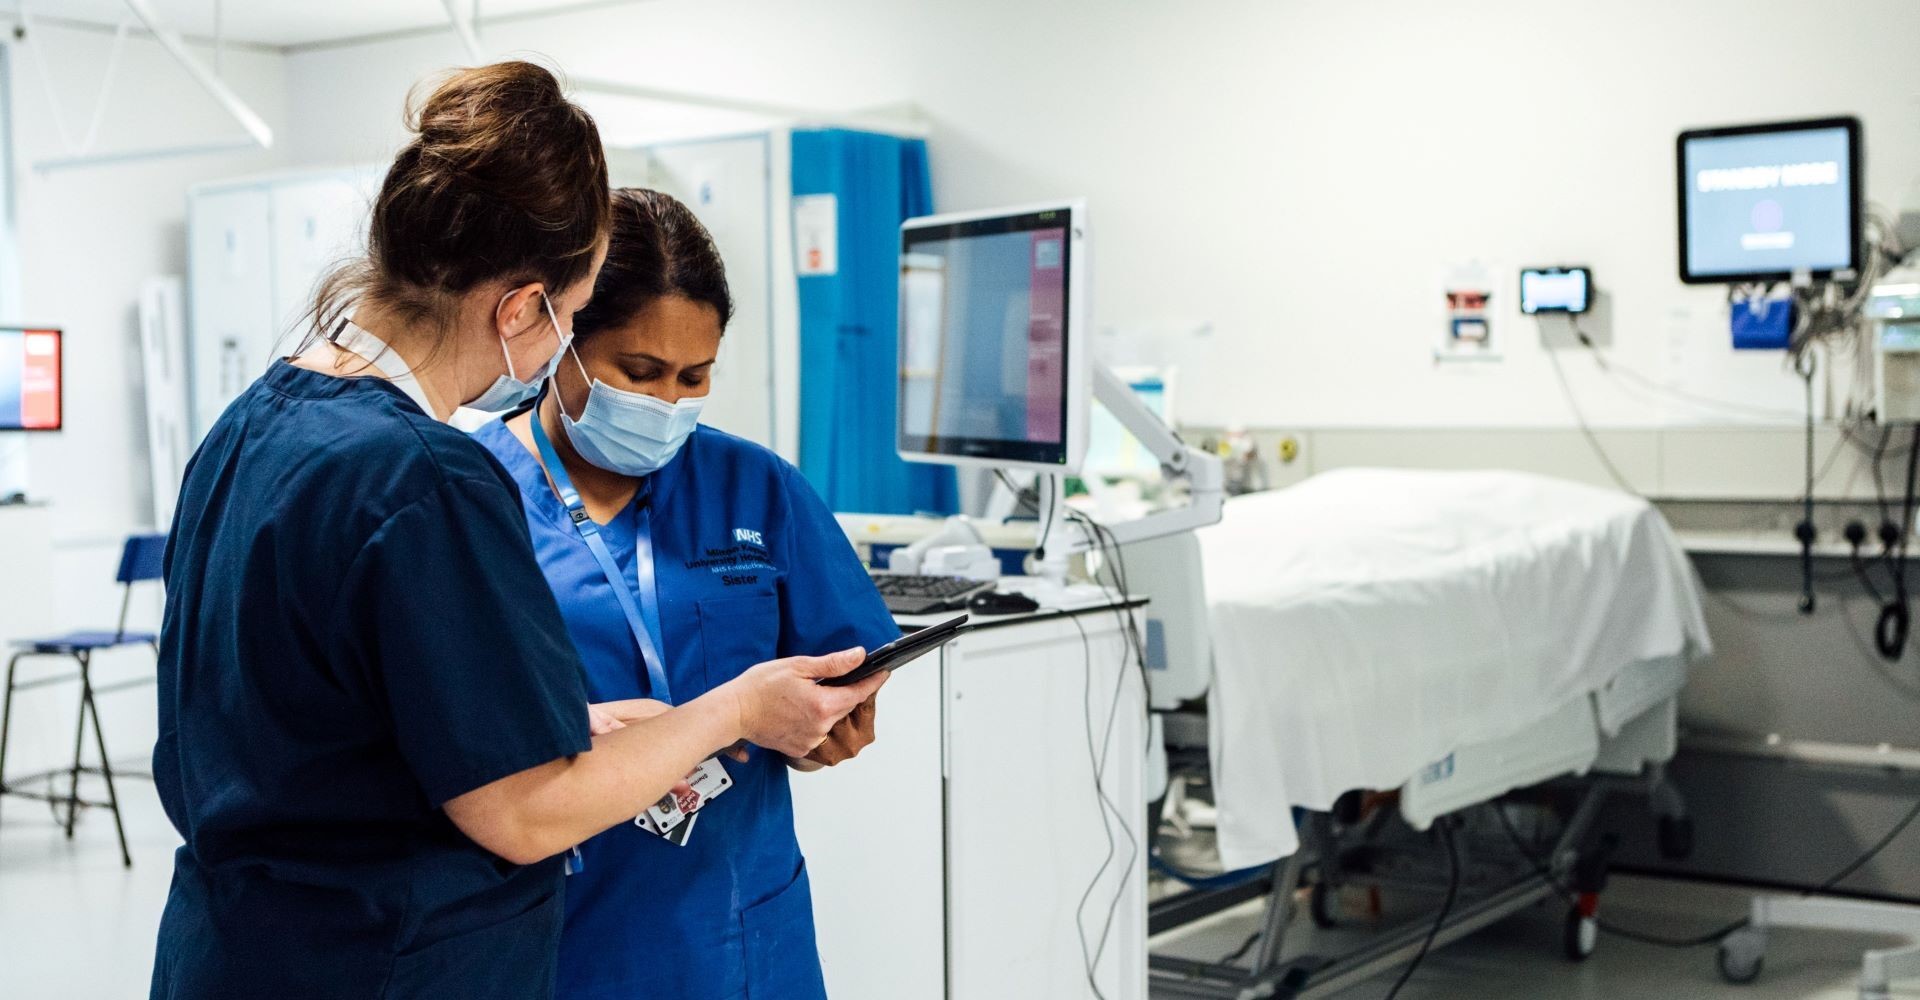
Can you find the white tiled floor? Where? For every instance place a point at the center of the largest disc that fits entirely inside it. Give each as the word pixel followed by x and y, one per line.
pixel 75 926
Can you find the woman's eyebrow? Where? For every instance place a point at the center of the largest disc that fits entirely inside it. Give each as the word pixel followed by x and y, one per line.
pixel 663 362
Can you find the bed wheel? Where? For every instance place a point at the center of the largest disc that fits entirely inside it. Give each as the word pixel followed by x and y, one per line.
pixel 1741 955
pixel 1321 900
pixel 1581 935
pixel 1676 837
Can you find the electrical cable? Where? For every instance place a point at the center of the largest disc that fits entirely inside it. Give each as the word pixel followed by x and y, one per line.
pixel 1864 574
pixel 1541 869
pixel 1719 933
pixel 1861 644
pixel 1878 452
pixel 1805 530
pixel 1241 952
pixel 1445 829
pixel 1895 624
pixel 1098 759
pixel 1613 368
pixel 1113 559
pixel 1046 523
pixel 1580 417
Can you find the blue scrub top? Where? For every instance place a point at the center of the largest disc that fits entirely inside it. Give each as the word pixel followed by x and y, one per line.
pixel 355 632
pixel 750 566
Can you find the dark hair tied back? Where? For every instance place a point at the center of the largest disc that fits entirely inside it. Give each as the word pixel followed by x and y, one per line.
pixel 505 179
pixel 656 248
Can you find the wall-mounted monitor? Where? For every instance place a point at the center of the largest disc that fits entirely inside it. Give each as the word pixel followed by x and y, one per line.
pixel 30 379
pixel 1770 202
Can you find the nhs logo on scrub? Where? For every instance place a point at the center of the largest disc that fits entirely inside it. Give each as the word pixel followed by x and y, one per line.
pixel 747 536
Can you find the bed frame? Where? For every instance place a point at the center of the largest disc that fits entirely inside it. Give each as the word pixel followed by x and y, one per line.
pixel 1618 739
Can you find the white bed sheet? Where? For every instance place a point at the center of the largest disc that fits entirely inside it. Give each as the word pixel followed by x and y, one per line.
pixel 1368 622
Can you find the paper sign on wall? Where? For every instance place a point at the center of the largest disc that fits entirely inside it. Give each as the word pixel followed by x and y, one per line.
pixel 816 234
pixel 1469 293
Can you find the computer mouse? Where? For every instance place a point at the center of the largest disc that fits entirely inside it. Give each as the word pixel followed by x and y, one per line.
pixel 993 602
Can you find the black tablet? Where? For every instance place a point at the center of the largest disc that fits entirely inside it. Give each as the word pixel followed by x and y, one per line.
pixel 901 651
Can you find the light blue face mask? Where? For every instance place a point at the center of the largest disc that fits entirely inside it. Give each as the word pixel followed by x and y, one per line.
pixel 508 392
pixel 631 433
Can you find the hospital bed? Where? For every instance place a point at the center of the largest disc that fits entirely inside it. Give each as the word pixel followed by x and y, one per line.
pixel 1381 651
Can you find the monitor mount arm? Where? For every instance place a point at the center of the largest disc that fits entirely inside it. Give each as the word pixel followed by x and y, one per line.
pixel 1178 460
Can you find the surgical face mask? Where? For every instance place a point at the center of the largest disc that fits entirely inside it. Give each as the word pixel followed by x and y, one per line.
pixel 631 433
pixel 507 391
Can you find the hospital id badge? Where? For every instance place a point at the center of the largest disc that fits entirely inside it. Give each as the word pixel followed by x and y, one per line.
pixel 672 817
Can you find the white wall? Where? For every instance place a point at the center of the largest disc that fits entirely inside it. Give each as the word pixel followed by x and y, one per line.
pixel 1289 177
pixel 89 237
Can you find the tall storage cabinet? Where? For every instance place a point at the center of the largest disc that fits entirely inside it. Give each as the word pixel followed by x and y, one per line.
pixel 255 248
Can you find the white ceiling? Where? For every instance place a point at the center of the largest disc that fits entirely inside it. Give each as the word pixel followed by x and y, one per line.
pixel 283 23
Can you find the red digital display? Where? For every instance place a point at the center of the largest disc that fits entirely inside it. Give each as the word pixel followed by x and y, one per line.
pixel 34 369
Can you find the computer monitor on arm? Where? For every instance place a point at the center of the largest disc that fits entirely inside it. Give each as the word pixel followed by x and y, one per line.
pixel 995 369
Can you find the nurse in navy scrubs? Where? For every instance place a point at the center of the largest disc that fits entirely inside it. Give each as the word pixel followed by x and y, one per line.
pixel 374 735
pixel 725 556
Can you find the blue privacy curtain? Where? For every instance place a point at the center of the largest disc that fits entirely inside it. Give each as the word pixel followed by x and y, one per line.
pixel 849 346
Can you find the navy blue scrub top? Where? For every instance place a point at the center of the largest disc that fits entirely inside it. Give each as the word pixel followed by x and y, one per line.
pixel 749 566
pixel 356 632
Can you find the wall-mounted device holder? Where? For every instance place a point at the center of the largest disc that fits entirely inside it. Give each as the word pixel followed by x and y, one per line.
pixel 1556 290
pixel 1762 322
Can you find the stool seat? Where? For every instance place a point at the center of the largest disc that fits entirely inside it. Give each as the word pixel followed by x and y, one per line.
pixel 80 642
pixel 142 558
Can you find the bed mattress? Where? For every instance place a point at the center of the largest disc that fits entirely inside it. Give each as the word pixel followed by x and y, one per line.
pixel 1368 623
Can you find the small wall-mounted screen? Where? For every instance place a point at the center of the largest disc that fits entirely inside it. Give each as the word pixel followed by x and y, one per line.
pixel 29 379
pixel 1556 289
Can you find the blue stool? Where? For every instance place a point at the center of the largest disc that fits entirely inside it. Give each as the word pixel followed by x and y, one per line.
pixel 139 561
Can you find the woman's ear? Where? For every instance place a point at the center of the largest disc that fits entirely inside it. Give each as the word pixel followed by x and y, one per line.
pixel 521 311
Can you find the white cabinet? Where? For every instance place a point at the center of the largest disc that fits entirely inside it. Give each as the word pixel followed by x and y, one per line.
pixel 950 859
pixel 230 296
pixel 315 224
pixel 255 249
pixel 43 721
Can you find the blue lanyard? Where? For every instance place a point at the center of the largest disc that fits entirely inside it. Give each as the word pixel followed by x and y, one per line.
pixel 645 627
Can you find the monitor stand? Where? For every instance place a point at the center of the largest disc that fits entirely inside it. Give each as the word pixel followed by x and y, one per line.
pixel 1070 535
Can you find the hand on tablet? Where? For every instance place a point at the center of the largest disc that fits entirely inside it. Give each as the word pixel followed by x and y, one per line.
pixel 782 708
pixel 850 735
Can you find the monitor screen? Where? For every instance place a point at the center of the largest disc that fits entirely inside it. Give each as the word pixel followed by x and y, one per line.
pixel 1555 289
pixel 29 379
pixel 1762 202
pixel 984 335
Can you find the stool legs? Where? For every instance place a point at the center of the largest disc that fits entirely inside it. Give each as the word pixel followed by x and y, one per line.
pixel 6 723
pixel 79 740
pixel 87 706
pixel 72 800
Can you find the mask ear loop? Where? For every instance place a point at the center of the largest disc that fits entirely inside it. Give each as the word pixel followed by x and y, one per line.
pixel 584 377
pixel 566 341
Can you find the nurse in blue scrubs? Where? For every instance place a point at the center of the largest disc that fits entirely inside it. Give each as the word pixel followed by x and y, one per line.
pixel 713 551
pixel 375 740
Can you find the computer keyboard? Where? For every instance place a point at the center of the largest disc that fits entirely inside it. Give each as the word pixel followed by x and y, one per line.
pixel 911 594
